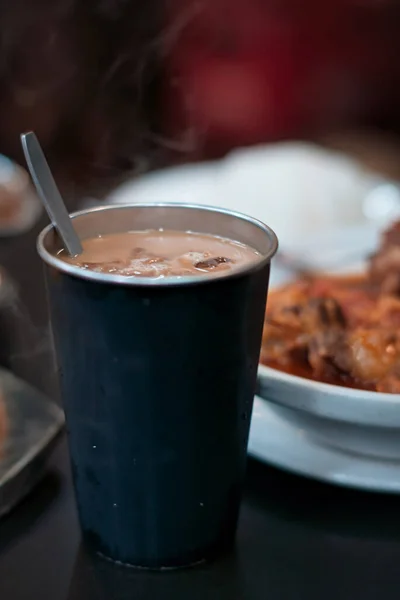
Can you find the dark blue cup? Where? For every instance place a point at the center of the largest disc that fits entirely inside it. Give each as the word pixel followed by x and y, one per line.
pixel 158 378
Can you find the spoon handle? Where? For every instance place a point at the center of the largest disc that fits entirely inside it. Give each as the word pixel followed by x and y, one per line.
pixel 48 192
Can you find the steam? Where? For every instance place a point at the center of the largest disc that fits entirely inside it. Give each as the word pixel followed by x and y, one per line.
pixel 85 89
pixel 135 72
pixel 34 341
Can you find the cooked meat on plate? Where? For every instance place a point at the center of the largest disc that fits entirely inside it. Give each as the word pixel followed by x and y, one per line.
pixel 342 330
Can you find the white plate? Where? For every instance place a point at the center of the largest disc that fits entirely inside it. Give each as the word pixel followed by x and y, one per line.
pixel 336 250
pixel 297 189
pixel 276 441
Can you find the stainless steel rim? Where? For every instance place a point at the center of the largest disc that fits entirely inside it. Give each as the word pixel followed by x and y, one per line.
pixel 69 269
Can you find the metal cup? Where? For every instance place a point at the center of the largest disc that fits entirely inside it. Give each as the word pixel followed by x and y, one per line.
pixel 158 378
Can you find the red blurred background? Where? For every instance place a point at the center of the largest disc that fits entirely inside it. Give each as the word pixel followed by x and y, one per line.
pixel 248 71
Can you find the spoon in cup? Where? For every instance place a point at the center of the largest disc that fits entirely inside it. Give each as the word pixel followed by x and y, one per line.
pixel 49 193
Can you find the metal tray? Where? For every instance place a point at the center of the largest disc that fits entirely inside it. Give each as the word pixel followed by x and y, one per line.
pixel 32 425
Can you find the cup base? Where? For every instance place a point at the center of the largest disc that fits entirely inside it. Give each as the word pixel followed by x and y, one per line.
pixel 151 568
pixel 193 560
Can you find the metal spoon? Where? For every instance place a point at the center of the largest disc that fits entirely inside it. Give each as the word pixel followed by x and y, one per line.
pixel 49 193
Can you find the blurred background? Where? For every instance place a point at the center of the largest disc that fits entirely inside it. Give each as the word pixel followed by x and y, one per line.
pixel 112 86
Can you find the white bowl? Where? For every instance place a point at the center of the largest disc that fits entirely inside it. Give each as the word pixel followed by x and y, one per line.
pixel 347 419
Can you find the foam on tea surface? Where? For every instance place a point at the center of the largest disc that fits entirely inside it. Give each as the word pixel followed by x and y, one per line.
pixel 161 253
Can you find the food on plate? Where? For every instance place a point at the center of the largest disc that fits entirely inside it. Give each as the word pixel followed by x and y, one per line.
pixel 343 330
pixel 384 266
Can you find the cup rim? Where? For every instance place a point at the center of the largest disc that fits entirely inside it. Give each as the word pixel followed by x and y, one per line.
pixel 110 278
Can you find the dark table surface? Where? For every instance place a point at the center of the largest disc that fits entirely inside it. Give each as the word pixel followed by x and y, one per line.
pixel 297 539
